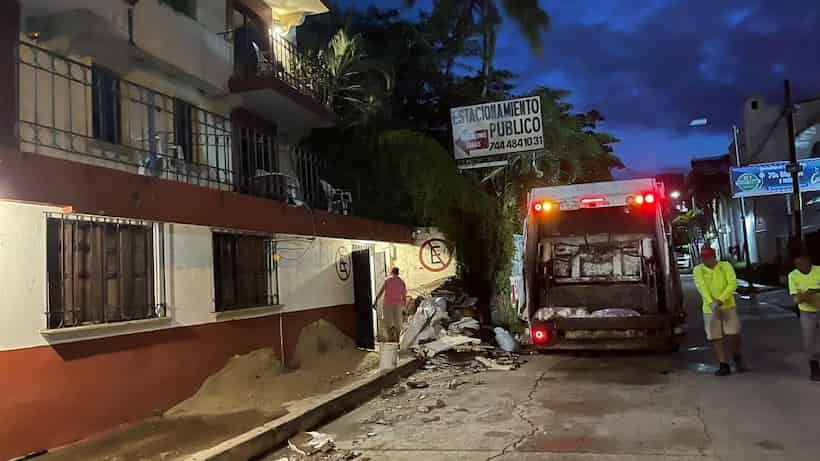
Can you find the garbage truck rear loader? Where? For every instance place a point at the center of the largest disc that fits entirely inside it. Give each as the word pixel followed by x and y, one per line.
pixel 599 268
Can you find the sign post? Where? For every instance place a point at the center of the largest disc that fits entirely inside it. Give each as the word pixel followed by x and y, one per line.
pixel 497 128
pixel 746 258
pixel 794 167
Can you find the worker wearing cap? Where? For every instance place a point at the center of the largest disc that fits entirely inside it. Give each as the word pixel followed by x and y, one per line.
pixel 716 282
pixel 804 286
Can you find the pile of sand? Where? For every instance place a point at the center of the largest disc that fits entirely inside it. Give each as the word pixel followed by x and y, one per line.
pixel 326 359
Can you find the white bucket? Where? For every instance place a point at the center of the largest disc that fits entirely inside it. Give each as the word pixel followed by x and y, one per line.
pixel 388 356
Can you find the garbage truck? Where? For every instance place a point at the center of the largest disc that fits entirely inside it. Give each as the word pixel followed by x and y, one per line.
pixel 599 268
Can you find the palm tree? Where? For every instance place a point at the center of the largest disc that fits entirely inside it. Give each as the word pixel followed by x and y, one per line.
pixel 357 87
pixel 482 18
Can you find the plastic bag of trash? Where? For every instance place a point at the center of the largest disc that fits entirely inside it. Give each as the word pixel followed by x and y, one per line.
pixel 426 324
pixel 549 313
pixel 435 329
pixel 466 326
pixel 505 340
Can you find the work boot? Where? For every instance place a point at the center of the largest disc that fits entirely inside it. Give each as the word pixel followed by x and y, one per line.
pixel 740 365
pixel 724 370
pixel 815 370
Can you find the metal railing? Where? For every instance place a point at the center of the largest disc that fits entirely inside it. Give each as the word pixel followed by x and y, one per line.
pixel 66 106
pixel 272 56
pixel 70 110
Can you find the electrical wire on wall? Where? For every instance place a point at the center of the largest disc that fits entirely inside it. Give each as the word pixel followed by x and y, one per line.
pixel 311 241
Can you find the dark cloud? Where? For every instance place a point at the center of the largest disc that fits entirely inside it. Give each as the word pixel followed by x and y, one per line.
pixel 652 65
pixel 671 61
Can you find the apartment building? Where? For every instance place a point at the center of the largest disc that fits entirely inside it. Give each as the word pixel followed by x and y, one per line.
pixel 156 213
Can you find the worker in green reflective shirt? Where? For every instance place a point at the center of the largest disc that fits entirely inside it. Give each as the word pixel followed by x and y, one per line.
pixel 716 282
pixel 804 286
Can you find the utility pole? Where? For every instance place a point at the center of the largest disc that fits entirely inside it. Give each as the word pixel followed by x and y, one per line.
pixel 746 257
pixel 794 167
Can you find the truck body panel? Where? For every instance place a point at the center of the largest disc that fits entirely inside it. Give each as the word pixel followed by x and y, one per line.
pixel 599 270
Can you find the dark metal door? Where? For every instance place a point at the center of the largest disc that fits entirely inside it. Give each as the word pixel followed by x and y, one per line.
pixel 363 298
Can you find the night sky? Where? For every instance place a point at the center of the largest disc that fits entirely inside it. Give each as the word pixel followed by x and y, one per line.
pixel 650 66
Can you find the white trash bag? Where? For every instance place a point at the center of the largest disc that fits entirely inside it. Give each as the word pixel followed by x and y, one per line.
pixel 505 340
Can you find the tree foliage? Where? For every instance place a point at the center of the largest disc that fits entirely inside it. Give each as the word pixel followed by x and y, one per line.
pixel 393 84
pixel 457 21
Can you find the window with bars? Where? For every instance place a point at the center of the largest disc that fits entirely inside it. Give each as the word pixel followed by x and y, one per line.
pixel 105 102
pixel 101 271
pixel 184 130
pixel 245 271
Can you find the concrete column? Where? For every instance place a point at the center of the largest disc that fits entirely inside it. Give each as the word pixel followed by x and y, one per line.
pixel 9 34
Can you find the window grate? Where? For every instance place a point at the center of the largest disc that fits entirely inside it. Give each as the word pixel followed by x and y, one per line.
pixel 245 271
pixel 103 270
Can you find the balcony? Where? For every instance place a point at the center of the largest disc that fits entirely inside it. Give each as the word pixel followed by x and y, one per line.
pixel 278 81
pixel 77 112
pixel 151 35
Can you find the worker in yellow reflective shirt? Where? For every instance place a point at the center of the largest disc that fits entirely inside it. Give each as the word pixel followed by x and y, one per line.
pixel 716 283
pixel 804 286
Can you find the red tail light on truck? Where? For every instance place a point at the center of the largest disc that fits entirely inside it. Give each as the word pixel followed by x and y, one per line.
pixel 540 334
pixel 642 199
pixel 594 202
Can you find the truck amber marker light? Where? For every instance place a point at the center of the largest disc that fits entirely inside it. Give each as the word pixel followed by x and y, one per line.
pixel 544 207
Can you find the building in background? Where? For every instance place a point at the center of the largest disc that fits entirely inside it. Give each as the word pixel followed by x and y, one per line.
pixel 710 191
pixel 156 216
pixel 765 139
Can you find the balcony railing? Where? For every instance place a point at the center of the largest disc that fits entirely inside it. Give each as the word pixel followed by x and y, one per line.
pixel 70 110
pixel 271 56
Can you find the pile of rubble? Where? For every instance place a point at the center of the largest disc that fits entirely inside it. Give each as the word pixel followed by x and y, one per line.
pixel 448 320
pixel 316 446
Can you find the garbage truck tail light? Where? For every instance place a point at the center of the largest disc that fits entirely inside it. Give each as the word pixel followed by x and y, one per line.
pixel 540 334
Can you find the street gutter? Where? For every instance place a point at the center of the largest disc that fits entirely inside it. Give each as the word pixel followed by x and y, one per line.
pixel 270 436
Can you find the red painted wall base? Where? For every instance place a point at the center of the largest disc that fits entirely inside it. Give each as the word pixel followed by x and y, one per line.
pixel 55 395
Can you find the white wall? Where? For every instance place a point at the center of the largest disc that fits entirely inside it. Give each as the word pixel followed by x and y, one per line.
pixel 189 273
pixel 22 274
pixel 307 273
pixel 308 277
pixel 408 259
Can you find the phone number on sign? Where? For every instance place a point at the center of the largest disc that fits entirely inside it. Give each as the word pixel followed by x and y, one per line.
pixel 535 141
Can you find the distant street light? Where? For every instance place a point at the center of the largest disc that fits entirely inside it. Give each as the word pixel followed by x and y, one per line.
pixel 675 194
pixel 699 122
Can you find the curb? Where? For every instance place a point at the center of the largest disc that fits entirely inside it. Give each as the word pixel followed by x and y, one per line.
pixel 270 436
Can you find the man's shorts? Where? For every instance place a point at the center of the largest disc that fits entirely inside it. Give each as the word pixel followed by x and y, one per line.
pixel 390 316
pixel 727 324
